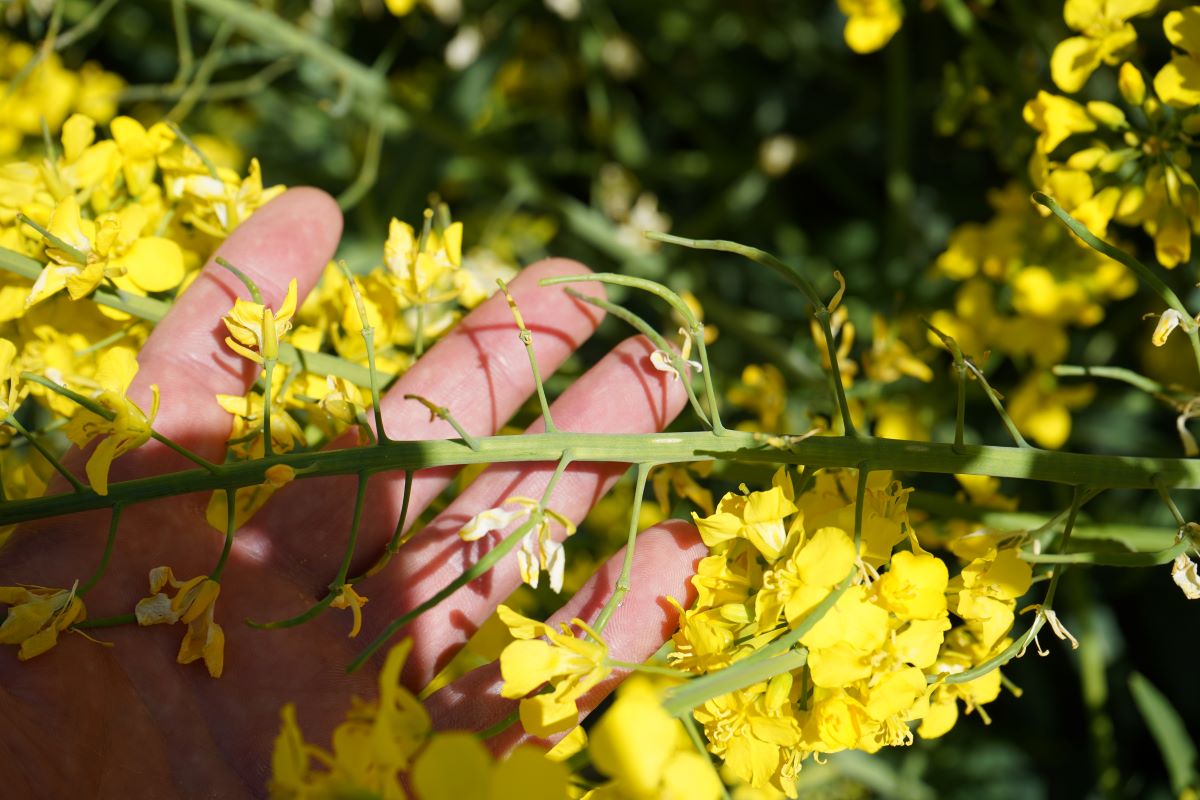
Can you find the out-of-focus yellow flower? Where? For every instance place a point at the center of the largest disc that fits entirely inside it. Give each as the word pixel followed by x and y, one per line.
pixel 1106 36
pixel 36 616
pixel 646 751
pixel 1042 410
pixel 1056 118
pixel 193 605
pixel 129 428
pixel 762 390
pixel 371 749
pixel 254 325
pixel 890 358
pixel 455 766
pixel 573 665
pixel 677 478
pixel 11 389
pixel 870 24
pixel 1178 83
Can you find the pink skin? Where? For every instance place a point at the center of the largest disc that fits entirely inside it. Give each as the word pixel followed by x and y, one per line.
pixel 127 721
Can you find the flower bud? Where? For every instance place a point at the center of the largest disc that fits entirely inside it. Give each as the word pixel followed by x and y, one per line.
pixel 1131 84
pixel 1107 114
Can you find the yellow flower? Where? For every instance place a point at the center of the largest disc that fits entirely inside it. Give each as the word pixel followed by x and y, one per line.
pixel 914 587
pixel 646 751
pixel 422 264
pixel 842 643
pixel 456 766
pixel 1106 37
pixel 129 428
pixel 755 731
pixel 370 749
pixel 573 665
pixel 1042 411
pixel 247 411
pixel 94 241
pixel 253 325
pixel 987 590
pixel 890 358
pixel 140 150
pixel 755 516
pixel 762 391
pixel 1056 118
pixel 192 605
pixel 798 584
pixel 871 23
pixel 11 390
pixel 678 478
pixel 36 616
pixel 1177 83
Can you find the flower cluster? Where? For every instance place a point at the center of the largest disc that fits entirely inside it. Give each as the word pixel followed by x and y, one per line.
pixel 877 659
pixel 386 743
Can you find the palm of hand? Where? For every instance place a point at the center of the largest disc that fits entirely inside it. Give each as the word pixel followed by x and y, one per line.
pixel 127 721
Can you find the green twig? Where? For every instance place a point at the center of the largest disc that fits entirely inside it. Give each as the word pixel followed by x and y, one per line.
pixel 622 586
pixel 113 521
pixel 526 337
pixel 59 467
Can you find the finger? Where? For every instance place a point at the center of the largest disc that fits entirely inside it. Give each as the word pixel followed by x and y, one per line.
pixel 480 372
pixel 623 393
pixel 664 561
pixel 293 236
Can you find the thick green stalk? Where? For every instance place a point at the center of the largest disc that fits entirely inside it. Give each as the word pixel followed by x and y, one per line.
pixel 1099 471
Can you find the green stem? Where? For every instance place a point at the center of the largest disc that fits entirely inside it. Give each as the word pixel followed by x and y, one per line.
pixel 526 336
pixel 1009 425
pixel 339 582
pixel 59 467
pixel 230 527
pixel 77 255
pixel 643 327
pixel 835 373
pixel 648 669
pixel 368 335
pixel 107 622
pixel 203 156
pixel 443 413
pixel 369 172
pixel 183 43
pixel 393 546
pixel 1128 376
pixel 268 28
pixel 622 586
pixel 1101 471
pixel 102 567
pixel 250 285
pixel 85 26
pixel 680 702
pixel 188 454
pixel 268 401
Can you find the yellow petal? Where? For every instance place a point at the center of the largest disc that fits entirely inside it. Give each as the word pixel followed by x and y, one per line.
pixel 1178 83
pixel 154 264
pixel 1073 62
pixel 453 766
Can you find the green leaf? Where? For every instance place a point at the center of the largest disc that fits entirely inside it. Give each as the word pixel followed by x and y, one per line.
pixel 1165 724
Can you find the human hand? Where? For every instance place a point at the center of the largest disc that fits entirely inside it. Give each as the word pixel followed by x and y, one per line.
pixel 127 721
